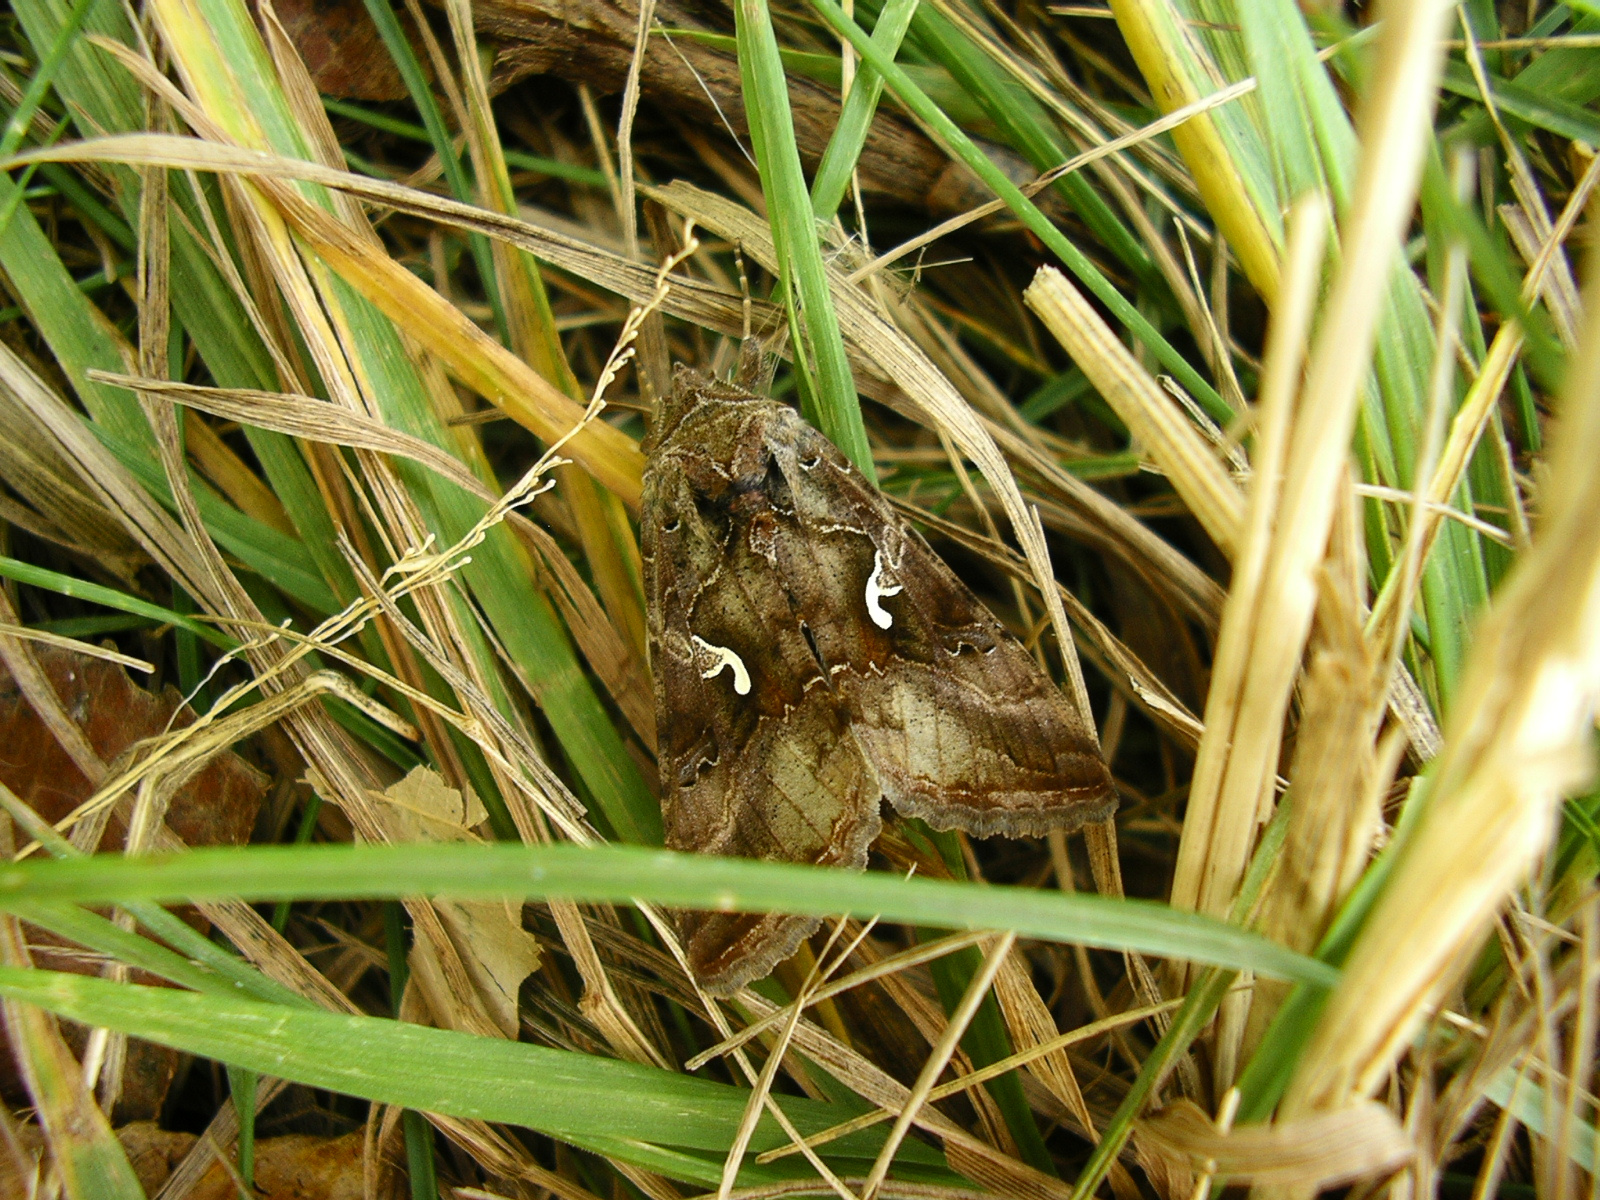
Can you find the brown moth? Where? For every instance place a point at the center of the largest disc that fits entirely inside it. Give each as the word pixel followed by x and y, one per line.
pixel 812 657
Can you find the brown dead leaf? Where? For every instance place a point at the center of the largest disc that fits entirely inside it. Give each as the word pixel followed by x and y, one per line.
pixel 494 947
pixel 294 1167
pixel 217 807
pixel 423 808
pixel 342 49
pixel 153 1151
pixel 1363 1141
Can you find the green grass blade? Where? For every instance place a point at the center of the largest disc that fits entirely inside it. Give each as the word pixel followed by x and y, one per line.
pixel 619 873
pixel 39 85
pixel 207 309
pixel 523 161
pixel 1191 1019
pixel 794 233
pixel 855 115
pixel 1544 110
pixel 89 1161
pixel 1024 124
pixel 82 589
pixel 560 1093
pixel 959 144
pixel 94 932
pixel 1526 1100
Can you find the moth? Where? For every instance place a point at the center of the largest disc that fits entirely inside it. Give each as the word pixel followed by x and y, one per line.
pixel 813 657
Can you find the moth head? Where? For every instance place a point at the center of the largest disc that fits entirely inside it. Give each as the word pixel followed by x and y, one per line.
pixel 752 380
pixel 687 385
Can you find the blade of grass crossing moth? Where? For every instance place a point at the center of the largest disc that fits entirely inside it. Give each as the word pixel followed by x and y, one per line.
pixel 961 146
pixel 622 873
pixel 855 115
pixel 801 359
pixel 802 362
pixel 399 48
pixel 794 231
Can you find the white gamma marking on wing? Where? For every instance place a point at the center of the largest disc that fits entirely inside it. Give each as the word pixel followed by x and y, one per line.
pixel 724 658
pixel 881 616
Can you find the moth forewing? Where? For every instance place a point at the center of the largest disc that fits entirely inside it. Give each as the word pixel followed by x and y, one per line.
pixel 813 657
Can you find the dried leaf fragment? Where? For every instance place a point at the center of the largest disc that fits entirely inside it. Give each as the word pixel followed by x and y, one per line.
pixel 1359 1142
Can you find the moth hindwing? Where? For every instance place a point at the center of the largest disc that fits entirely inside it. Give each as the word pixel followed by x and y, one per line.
pixel 813 657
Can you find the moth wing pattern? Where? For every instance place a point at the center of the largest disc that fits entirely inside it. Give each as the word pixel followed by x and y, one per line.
pixel 963 728
pixel 771 772
pixel 813 656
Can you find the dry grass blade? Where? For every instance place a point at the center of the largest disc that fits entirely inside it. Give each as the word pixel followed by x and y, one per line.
pixel 978 1160
pixel 693 299
pixel 1034 1054
pixel 316 420
pixel 938 1057
pixel 826 991
pixel 1214 821
pixel 1233 777
pixel 26 633
pixel 324 417
pixel 1158 427
pixel 1519 739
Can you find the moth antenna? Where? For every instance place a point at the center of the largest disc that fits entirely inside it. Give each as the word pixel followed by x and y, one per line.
pixel 751 373
pixel 744 288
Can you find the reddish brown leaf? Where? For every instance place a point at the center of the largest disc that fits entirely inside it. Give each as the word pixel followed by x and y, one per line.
pixel 217 807
pixel 342 49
